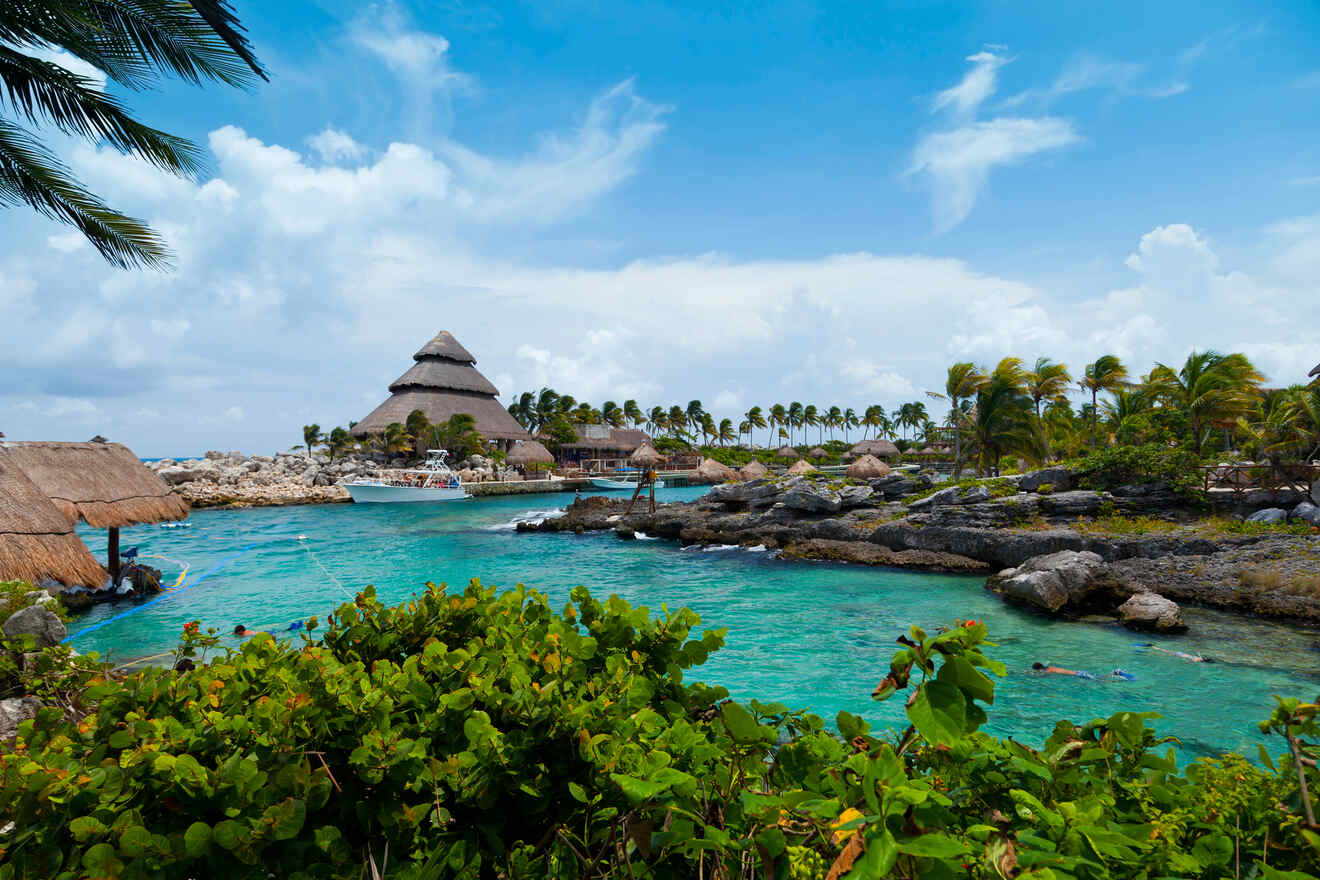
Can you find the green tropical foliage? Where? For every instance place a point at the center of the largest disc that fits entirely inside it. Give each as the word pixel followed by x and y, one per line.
pixel 485 735
pixel 135 44
pixel 312 437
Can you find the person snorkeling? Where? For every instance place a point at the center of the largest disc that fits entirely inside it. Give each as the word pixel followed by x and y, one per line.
pixel 1191 658
pixel 1043 669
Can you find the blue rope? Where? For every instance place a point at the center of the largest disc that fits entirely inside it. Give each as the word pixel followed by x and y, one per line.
pixel 172 593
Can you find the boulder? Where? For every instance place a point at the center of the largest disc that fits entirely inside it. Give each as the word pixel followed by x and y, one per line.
pixel 1315 492
pixel 1282 497
pixel 802 494
pixel 37 621
pixel 1151 612
pixel 1269 515
pixel 855 496
pixel 213 455
pixel 741 493
pixel 14 712
pixel 1054 581
pixel 193 472
pixel 953 495
pixel 1060 479
pixel 711 471
pixel 1306 512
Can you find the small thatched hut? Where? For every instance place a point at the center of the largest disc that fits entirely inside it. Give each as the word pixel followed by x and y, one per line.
pixel 866 467
pixel 802 466
pixel 818 453
pixel 528 454
pixel 103 484
pixel 876 446
pixel 788 453
pixel 646 456
pixel 37 542
pixel 711 471
pixel 753 470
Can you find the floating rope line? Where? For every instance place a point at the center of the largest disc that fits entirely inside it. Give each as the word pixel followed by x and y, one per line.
pixel 142 660
pixel 302 542
pixel 174 592
pixel 183 574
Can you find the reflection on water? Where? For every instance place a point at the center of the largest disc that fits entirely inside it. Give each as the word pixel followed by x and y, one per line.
pixel 810 635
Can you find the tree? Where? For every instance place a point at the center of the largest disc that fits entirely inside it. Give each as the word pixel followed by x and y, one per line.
pixel 612 414
pixel 850 421
pixel 833 419
pixel 912 415
pixel 524 410
pixel 678 422
pixel 708 427
pixel 810 416
pixel 873 417
pixel 961 382
pixel 694 412
pixel 754 420
pixel 547 407
pixel 1209 389
pixel 1106 374
pixel 633 413
pixel 556 433
pixel 458 436
pixel 796 416
pixel 778 416
pixel 418 427
pixel 135 44
pixel 311 438
pixel 396 439
pixel 725 432
pixel 338 442
pixel 1047 381
pixel 998 421
pixel 656 420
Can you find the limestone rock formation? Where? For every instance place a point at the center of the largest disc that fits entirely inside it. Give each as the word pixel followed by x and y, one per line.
pixel 1151 612
pixel 37 621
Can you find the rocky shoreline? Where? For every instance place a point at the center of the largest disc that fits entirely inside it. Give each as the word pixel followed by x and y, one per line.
pixel 998 528
pixel 235 480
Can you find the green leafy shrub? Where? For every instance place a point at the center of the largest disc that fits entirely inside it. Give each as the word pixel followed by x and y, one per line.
pixel 484 735
pixel 1109 468
pixel 1045 489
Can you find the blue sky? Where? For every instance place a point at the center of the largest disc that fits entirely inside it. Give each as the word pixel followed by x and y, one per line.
pixel 745 205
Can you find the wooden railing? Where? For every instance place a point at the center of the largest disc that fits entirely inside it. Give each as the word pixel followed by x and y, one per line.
pixel 1272 478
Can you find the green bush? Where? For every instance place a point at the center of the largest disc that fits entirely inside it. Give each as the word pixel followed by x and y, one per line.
pixel 1045 489
pixel 484 735
pixel 1115 466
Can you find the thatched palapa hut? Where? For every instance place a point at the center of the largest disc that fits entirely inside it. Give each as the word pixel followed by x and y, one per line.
pixel 801 466
pixel 37 542
pixel 818 453
pixel 866 467
pixel 443 383
pixel 711 471
pixel 103 484
pixel 646 456
pixel 527 453
pixel 787 452
pixel 753 470
pixel 876 446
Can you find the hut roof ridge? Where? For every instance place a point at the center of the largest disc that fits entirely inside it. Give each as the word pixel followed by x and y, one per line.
pixel 444 345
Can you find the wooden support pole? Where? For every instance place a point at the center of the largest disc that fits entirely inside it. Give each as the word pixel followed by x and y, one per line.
pixel 113 553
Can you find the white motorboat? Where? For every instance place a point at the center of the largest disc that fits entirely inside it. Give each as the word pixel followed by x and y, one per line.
pixel 605 483
pixel 433 481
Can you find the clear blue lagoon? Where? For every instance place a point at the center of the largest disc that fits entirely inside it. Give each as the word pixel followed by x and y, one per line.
pixel 812 635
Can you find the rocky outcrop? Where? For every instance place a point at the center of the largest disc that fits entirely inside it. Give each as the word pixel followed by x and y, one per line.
pixel 862 553
pixel 1057 478
pixel 1069 579
pixel 14 712
pixel 1269 515
pixel 37 621
pixel 1151 612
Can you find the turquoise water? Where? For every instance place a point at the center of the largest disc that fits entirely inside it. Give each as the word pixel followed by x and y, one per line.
pixel 811 635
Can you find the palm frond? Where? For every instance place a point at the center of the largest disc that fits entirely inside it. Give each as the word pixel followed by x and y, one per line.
pixel 31 175
pixel 41 91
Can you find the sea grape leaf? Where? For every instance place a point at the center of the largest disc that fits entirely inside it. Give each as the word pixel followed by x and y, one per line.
pixel 197 839
pixel 934 846
pixel 939 712
pixel 957 671
pixel 740 723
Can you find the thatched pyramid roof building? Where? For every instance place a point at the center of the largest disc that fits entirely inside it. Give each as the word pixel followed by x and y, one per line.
pixel 37 542
pixel 877 446
pixel 103 484
pixel 442 383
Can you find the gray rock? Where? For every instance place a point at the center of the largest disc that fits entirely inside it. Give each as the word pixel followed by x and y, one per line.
pixel 953 495
pixel 1269 515
pixel 802 494
pixel 14 712
pixel 1151 612
pixel 1054 581
pixel 1277 498
pixel 1060 479
pixel 1072 504
pixel 1306 512
pixel 39 597
pixel 213 455
pixel 741 493
pixel 38 621
pixel 855 496
pixel 1315 492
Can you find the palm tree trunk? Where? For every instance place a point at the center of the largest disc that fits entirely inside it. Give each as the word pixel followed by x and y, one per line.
pixel 1093 414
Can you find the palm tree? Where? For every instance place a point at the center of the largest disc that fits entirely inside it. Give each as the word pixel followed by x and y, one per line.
pixel 524 410
pixel 134 45
pixel 311 437
pixel 833 419
pixel 547 407
pixel 724 433
pixel 678 421
pixel 745 427
pixel 810 417
pixel 612 414
pixel 1106 374
pixel 778 415
pixel 396 438
pixel 998 420
pixel 961 382
pixel 656 420
pixel 872 418
pixel 796 418
pixel 754 420
pixel 850 421
pixel 338 442
pixel 912 415
pixel 694 412
pixel 1047 381
pixel 633 413
pixel 708 427
pixel 1210 389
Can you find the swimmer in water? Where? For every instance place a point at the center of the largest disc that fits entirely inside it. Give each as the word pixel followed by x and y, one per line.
pixel 1191 658
pixel 1042 669
pixel 243 632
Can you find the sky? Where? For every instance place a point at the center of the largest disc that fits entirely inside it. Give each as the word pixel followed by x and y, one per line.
pixel 738 203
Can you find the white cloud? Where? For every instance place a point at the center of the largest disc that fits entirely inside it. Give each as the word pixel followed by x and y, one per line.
pixel 421 57
pixel 334 145
pixel 958 162
pixel 978 84
pixel 71 63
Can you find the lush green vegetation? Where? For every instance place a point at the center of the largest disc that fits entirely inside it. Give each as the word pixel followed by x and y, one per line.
pixel 458 436
pixel 1110 468
pixel 485 735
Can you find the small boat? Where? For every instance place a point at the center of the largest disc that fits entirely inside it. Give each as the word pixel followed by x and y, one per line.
pixel 433 481
pixel 605 483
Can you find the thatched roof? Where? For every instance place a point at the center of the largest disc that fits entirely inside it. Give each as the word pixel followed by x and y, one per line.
pixel 646 455
pixel 786 452
pixel 801 467
pixel 817 452
pixel 526 452
pixel 600 437
pixel 866 467
pixel 103 484
pixel 753 470
pixel 442 383
pixel 37 542
pixel 1315 372
pixel 877 446
pixel 711 471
